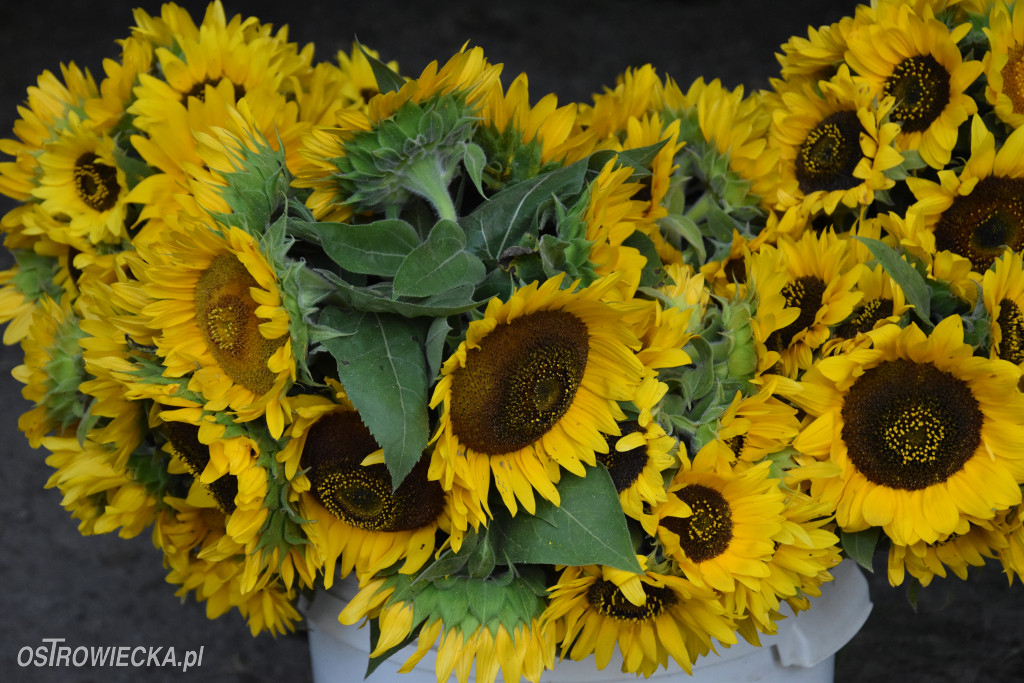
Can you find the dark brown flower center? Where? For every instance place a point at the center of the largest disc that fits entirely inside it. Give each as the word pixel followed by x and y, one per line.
pixel 198 90
pixel 96 183
pixel 519 382
pixel 706 533
pixel 226 315
pixel 921 88
pixel 865 317
pixel 829 154
pixel 624 467
pixel 910 425
pixel 804 293
pixel 184 439
pixel 979 226
pixel 361 495
pixel 1013 78
pixel 1011 331
pixel 608 600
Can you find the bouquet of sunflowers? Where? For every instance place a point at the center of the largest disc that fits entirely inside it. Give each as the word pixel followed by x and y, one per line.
pixel 544 378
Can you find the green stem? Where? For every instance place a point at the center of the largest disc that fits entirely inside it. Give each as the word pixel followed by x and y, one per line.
pixel 423 176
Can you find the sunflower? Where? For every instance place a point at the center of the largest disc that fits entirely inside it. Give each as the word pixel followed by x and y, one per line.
pixel 1004 62
pixel 751 428
pixel 51 372
pixel 521 139
pixel 102 497
pixel 638 456
pixel 269 608
pixel 494 622
pixel 44 116
pixel 835 145
pixel 611 217
pixel 1012 555
pixel 971 546
pixel 462 84
pixel 241 57
pixel 214 306
pixel 820 276
pixel 534 387
pixel 355 514
pixel 635 95
pixel 915 59
pixel 979 212
pixel 82 187
pixel 718 526
pixel 1003 293
pixel 651 617
pixel 921 433
pixel 206 71
pixel 726 128
pixel 818 56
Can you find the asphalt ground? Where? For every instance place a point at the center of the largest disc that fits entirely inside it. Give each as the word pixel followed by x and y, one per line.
pixel 106 591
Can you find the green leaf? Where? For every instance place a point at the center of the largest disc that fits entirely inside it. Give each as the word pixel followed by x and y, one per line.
pixel 587 527
pixel 440 264
pixel 450 563
pixel 376 248
pixel 860 546
pixel 639 159
pixel 475 161
pixel 914 285
pixel 653 274
pixel 383 369
pixel 387 80
pixel 502 220
pixel 379 299
pixel 436 336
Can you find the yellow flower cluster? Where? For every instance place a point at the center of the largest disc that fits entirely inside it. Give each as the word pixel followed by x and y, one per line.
pixel 311 320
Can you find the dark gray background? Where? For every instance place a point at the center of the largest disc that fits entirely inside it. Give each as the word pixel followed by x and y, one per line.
pixel 103 590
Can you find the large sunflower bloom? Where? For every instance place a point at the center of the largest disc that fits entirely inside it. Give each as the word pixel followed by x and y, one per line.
pixel 651 617
pixel 921 432
pixel 915 59
pixel 534 387
pixel 214 306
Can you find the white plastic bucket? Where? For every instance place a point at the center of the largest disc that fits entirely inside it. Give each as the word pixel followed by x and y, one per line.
pixel 803 651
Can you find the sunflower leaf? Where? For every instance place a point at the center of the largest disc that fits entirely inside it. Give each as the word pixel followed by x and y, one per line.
pixel 383 368
pixel 860 546
pixel 906 276
pixel 502 220
pixel 387 79
pixel 379 299
pixel 440 264
pixel 376 248
pixel 587 527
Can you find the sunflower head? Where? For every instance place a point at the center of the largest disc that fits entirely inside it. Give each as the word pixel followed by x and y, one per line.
pixel 335 456
pixel 494 621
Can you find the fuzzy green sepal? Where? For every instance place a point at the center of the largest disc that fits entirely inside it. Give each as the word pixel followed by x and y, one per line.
pixel 416 151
